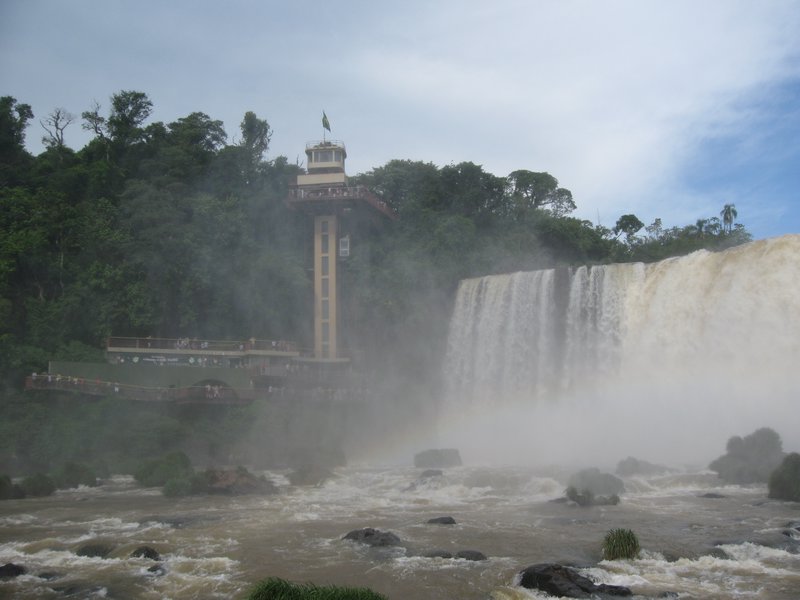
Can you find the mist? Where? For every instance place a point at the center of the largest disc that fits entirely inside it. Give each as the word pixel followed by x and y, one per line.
pixel 663 362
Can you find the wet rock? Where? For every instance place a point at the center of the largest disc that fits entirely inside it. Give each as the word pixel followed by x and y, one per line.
pixel 428 476
pixel 669 595
pixel 9 570
pixel 440 458
pixel 50 575
pixel 718 553
pixel 146 552
pixel 157 570
pixel 237 482
pixel 95 550
pixel 599 484
pixel 373 537
pixel 750 459
pixel 442 521
pixel 712 495
pixel 634 466
pixel 470 555
pixel 428 473
pixel 438 554
pixel 563 581
pixel 784 481
pixel 77 591
pixel 309 475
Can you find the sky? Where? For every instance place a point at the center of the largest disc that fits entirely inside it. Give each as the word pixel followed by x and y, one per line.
pixel 667 109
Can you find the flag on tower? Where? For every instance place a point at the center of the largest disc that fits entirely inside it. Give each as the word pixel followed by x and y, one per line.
pixel 325 123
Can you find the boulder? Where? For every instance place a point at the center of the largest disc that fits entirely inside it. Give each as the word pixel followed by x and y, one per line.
pixel 428 473
pixel 438 554
pixel 585 497
pixel 784 482
pixel 427 477
pixel 437 458
pixel 373 537
pixel 237 482
pixel 750 459
pixel 633 466
pixel 470 555
pixel 95 550
pixel 558 580
pixel 442 521
pixel 9 570
pixel 146 552
pixel 599 484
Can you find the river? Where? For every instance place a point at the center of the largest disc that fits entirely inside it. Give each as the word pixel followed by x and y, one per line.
pixel 740 545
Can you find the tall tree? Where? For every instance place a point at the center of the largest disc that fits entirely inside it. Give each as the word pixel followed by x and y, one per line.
pixel 14 119
pixel 256 135
pixel 54 126
pixel 728 214
pixel 530 190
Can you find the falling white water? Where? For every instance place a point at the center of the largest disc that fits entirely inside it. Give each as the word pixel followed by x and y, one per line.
pixel 703 344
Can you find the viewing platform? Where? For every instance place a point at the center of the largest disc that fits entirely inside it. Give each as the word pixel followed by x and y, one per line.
pixel 337 197
pixel 184 370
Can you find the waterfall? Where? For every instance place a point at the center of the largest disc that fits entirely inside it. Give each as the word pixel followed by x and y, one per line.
pixel 711 331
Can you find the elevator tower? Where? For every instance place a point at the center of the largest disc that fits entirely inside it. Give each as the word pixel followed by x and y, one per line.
pixel 324 194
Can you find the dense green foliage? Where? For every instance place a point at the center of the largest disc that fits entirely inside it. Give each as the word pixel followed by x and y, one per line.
pixel 280 589
pixel 750 459
pixel 157 472
pixel 784 482
pixel 73 474
pixel 38 484
pixel 45 432
pixel 620 544
pixel 169 230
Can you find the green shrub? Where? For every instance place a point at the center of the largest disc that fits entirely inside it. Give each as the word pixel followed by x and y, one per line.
pixel 38 485
pixel 177 486
pixel 72 474
pixel 154 473
pixel 784 482
pixel 280 589
pixel 620 543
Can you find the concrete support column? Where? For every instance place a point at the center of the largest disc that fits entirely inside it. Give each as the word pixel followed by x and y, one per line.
pixel 326 235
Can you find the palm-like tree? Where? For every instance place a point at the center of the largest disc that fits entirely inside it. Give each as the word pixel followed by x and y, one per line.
pixel 728 214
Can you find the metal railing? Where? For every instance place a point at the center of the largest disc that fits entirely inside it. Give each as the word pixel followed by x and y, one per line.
pixel 342 192
pixel 201 345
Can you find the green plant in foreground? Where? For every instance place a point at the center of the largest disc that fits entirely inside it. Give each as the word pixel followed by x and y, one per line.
pixel 620 543
pixel 275 588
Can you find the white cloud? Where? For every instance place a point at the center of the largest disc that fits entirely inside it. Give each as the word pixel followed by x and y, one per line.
pixel 615 98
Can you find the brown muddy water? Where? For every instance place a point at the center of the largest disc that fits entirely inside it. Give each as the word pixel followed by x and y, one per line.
pixel 740 545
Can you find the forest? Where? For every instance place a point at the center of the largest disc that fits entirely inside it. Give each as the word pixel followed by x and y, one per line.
pixel 173 230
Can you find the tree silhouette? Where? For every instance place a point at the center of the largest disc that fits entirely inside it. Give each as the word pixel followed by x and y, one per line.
pixel 728 214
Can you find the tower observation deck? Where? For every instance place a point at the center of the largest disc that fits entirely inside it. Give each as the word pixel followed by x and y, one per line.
pixel 324 194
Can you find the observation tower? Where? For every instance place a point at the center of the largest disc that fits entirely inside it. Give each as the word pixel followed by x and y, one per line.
pixel 337 209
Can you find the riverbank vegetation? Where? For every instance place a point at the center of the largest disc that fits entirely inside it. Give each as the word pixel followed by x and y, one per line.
pixel 280 589
pixel 172 230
